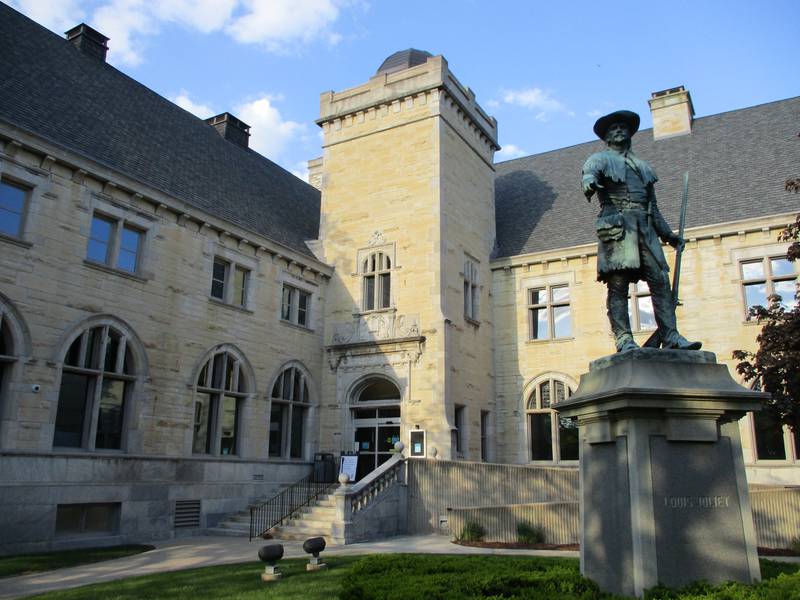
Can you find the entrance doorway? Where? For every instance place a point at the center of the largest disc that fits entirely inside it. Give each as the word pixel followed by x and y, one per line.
pixel 376 421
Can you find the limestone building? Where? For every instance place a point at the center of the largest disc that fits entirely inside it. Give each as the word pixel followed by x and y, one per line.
pixel 184 324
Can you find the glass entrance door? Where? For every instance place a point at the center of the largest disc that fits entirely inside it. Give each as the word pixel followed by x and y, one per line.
pixel 376 432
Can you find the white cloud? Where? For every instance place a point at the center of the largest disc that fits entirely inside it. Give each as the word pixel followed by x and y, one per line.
pixel 509 151
pixel 300 171
pixel 199 110
pixel 492 103
pixel 277 24
pixel 537 99
pixel 204 15
pixel 126 22
pixel 57 15
pixel 269 132
pixel 594 113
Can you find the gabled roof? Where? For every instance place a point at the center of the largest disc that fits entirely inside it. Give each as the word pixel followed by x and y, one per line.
pixel 738 162
pixel 53 90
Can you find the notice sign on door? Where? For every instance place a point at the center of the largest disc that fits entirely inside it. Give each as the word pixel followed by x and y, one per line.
pixel 348 465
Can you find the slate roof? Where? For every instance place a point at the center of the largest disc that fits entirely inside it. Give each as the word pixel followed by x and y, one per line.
pixel 53 90
pixel 738 162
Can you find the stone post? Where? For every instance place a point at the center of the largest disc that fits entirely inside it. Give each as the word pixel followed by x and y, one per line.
pixel 342 520
pixel 663 496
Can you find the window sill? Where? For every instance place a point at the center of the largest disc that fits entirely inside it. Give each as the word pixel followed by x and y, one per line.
pixel 470 321
pixel 296 326
pixel 114 271
pixel 219 302
pixel 550 341
pixel 378 311
pixel 10 239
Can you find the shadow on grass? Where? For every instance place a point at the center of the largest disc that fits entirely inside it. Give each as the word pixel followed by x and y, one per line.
pixel 24 564
pixel 411 577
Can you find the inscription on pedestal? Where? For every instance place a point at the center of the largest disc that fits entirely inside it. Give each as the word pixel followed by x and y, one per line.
pixel 699 531
pixel 697 501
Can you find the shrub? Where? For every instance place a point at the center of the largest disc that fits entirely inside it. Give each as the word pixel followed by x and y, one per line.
pixel 795 545
pixel 528 533
pixel 472 532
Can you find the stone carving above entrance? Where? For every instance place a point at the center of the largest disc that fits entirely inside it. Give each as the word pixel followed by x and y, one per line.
pixel 375 327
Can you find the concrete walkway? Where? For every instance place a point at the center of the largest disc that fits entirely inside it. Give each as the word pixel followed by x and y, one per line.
pixel 206 551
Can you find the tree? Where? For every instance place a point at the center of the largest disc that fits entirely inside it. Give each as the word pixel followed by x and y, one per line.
pixel 775 366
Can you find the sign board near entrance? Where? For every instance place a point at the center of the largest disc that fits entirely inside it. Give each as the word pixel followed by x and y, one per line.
pixel 348 464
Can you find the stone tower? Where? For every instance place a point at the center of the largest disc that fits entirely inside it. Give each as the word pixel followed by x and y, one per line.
pixel 407 182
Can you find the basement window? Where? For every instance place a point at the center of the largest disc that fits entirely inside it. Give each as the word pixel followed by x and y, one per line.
pixel 87 519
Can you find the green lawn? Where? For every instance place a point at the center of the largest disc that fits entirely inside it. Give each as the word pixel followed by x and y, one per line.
pixel 413 577
pixel 34 563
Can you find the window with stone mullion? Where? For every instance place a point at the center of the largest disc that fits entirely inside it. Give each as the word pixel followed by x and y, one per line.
pixel 377 281
pixel 95 384
pixel 761 278
pixel 288 408
pixel 552 438
pixel 218 397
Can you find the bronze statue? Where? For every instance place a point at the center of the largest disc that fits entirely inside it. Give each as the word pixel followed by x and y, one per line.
pixel 628 228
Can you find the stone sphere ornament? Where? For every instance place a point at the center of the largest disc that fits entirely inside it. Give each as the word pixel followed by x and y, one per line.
pixel 314 546
pixel 399 447
pixel 344 478
pixel 271 554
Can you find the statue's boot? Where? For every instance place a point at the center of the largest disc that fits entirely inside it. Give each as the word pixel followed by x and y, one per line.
pixel 667 327
pixel 617 305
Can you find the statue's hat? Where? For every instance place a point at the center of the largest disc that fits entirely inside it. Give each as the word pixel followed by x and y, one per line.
pixel 630 118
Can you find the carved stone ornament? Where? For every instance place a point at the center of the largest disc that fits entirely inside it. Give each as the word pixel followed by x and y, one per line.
pixel 375 327
pixel 377 238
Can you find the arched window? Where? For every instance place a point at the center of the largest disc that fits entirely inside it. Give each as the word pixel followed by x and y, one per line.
pixel 377 281
pixel 376 422
pixel 97 380
pixel 550 437
pixel 289 402
pixel 8 356
pixel 220 390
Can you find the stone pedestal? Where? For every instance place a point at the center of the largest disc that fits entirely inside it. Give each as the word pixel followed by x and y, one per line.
pixel 664 497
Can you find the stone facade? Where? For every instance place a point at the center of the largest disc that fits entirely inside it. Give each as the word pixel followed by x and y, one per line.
pixel 402 289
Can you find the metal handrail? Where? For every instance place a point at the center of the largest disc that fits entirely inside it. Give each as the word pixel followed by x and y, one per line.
pixel 280 507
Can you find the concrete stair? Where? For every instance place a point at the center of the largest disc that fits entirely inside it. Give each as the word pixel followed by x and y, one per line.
pixel 309 521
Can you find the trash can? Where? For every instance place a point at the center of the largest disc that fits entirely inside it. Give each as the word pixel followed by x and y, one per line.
pixel 324 468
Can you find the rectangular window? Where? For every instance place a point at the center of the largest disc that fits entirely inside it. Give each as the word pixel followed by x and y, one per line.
pixel 764 277
pixel 218 277
pixel 230 425
pixel 229 282
pixel 471 289
pixel 115 243
pixel 87 519
pixel 549 315
pixel 201 442
pixel 640 308
pixel 295 305
pixel 277 428
pixel 12 208
pixel 484 435
pixel 109 418
pixel 459 424
pixel 71 410
pixel 541 436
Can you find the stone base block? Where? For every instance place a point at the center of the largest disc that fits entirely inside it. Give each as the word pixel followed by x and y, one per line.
pixel 664 497
pixel 317 567
pixel 271 574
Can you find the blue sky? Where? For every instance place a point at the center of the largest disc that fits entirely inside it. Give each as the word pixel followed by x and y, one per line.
pixel 546 70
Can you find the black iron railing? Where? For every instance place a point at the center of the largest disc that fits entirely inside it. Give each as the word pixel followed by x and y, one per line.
pixel 281 507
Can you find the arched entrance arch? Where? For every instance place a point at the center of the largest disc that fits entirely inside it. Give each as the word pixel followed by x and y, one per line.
pixel 375 410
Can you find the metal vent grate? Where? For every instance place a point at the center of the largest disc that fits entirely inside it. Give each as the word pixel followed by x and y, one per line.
pixel 187 513
pixel 258 477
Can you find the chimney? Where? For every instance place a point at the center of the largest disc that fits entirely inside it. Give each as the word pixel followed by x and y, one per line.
pixel 231 128
pixel 89 41
pixel 315 172
pixel 672 112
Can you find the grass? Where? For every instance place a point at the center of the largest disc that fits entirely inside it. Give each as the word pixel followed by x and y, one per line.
pixel 412 577
pixel 24 564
